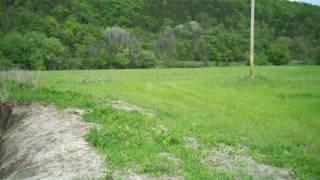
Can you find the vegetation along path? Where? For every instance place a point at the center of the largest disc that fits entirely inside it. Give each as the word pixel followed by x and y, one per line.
pixel 205 123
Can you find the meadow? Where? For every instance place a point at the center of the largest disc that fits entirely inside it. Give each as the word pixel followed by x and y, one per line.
pixel 276 115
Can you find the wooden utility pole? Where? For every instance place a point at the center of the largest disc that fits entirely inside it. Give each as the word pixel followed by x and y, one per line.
pixel 252 40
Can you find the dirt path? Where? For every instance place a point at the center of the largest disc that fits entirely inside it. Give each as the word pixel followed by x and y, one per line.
pixel 43 142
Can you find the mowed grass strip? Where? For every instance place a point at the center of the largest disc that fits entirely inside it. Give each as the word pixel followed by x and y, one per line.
pixel 276 115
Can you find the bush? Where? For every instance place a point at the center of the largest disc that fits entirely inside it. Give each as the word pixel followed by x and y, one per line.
pixel 53 51
pixel 14 47
pixel 4 63
pixel 33 50
pixel 279 54
pixel 146 59
pixel 36 60
pixel 261 59
pixel 317 56
pixel 185 64
pixel 121 60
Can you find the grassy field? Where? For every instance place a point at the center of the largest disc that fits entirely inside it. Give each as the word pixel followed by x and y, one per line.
pixel 276 115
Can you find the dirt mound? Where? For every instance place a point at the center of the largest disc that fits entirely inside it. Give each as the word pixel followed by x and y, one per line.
pixel 42 142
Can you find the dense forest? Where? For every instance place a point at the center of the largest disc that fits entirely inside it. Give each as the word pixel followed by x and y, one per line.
pixel 101 34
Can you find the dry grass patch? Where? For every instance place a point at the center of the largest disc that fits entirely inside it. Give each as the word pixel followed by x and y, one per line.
pixel 125 106
pixel 236 160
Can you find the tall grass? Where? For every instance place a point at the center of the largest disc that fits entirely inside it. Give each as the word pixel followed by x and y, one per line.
pixel 19 77
pixel 4 94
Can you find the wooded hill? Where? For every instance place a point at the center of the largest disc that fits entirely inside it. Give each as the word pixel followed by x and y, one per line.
pixel 87 34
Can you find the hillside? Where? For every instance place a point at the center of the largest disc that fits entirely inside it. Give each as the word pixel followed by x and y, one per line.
pixel 100 34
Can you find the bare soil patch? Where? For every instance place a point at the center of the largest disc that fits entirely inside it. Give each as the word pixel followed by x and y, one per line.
pixel 43 142
pixel 235 159
pixel 125 106
pixel 191 142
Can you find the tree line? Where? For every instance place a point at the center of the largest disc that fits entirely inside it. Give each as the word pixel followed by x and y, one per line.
pixel 101 34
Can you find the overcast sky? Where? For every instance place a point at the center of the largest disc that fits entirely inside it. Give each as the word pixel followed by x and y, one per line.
pixel 316 2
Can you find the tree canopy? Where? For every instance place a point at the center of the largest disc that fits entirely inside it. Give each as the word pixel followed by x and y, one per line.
pixel 84 34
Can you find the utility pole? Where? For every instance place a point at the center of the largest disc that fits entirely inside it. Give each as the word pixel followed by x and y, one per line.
pixel 252 40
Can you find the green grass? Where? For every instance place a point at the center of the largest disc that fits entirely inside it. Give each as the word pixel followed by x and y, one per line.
pixel 277 114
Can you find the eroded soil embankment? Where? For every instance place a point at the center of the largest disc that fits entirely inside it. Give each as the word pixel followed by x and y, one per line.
pixel 40 142
pixel 5 113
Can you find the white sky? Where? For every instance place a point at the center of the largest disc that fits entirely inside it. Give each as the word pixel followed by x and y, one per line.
pixel 316 2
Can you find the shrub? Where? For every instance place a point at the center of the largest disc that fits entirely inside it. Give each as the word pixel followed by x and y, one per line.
pixel 33 50
pixel 121 60
pixel 14 47
pixel 147 59
pixel 54 52
pixel 4 63
pixel 186 64
pixel 279 54
pixel 36 59
pixel 165 47
pixel 261 59
pixel 317 56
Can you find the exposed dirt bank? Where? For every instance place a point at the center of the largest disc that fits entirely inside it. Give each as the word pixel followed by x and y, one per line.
pixel 43 142
pixel 5 113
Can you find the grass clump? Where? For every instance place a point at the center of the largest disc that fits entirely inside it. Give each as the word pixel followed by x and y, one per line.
pixel 21 78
